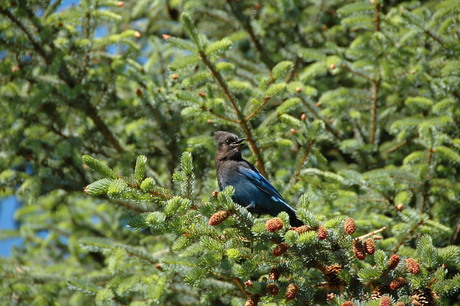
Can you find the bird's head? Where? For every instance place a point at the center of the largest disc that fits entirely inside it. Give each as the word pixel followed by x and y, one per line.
pixel 229 145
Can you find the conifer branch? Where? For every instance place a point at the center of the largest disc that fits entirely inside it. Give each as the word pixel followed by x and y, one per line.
pixel 66 77
pixel 408 234
pixel 102 127
pixel 435 38
pixel 259 108
pixel 242 122
pixel 131 206
pixel 209 110
pixel 374 111
pixel 426 185
pixel 377 16
pixel 236 280
pixel 238 283
pixel 319 117
pixel 347 67
pixel 303 159
pixel 86 31
pixel 294 69
pixel 397 146
pixel 22 27
pixel 237 11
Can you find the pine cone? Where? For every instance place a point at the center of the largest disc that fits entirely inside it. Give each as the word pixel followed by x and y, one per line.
pixel 219 217
pixel 274 274
pixel 302 229
pixel 331 274
pixel 393 261
pixel 291 291
pixel 423 297
pixel 379 291
pixel 397 283
pixel 370 246
pixel 280 249
pixel 350 226
pixel 412 266
pixel 385 301
pixel 348 303
pixel 330 297
pixel 273 289
pixel 252 300
pixel 321 232
pixel 273 225
pixel 359 250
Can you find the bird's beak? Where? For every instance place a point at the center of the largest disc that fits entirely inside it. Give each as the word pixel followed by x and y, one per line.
pixel 240 140
pixel 239 143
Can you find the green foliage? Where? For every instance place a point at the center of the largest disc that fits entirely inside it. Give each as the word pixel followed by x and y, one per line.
pixel 349 108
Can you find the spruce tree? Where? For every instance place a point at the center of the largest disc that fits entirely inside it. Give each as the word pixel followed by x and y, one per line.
pixel 350 109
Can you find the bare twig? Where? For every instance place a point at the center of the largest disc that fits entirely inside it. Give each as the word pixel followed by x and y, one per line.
pixel 370 234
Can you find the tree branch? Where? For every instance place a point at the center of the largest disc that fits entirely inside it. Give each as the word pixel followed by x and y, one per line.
pixel 242 122
pixel 303 159
pixel 374 111
pixel 312 109
pixel 237 11
pixel 22 27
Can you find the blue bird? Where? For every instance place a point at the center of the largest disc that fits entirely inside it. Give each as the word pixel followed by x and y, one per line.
pixel 252 190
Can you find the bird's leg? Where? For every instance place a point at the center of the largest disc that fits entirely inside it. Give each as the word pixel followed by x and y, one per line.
pixel 250 206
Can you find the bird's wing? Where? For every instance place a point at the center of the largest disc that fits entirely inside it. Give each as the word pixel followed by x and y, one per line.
pixel 261 183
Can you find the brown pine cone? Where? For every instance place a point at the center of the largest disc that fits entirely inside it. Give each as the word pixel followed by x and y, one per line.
pixel 274 274
pixel 321 232
pixel 274 224
pixel 350 226
pixel 359 250
pixel 331 274
pixel 219 217
pixel 252 300
pixel 280 249
pixel 385 301
pixel 397 283
pixel 291 291
pixel 424 297
pixel 370 246
pixel 273 289
pixel 302 229
pixel 412 266
pixel 393 261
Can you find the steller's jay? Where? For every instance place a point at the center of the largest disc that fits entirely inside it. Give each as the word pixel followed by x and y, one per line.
pixel 252 190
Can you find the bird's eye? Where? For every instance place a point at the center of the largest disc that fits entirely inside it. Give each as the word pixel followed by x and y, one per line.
pixel 228 141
